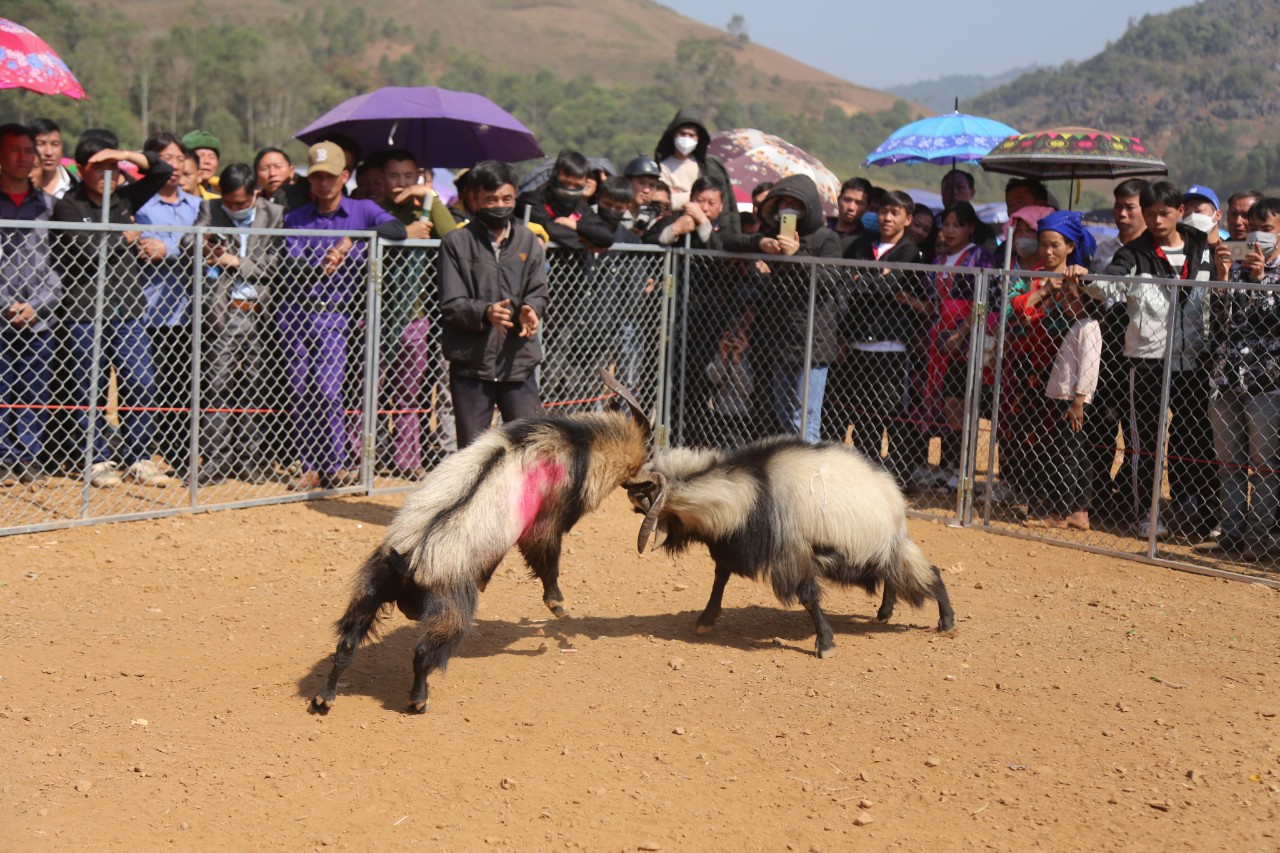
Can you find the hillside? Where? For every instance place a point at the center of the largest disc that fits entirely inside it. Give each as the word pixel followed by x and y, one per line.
pixel 1200 85
pixel 613 41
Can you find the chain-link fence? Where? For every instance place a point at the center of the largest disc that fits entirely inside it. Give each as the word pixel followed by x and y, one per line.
pixel 255 366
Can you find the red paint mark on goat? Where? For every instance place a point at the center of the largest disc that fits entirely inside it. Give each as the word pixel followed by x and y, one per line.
pixel 539 480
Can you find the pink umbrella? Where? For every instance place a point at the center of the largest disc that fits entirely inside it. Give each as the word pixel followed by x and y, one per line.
pixel 26 62
pixel 751 157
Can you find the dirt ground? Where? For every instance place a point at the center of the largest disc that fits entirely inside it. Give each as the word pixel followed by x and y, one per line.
pixel 154 679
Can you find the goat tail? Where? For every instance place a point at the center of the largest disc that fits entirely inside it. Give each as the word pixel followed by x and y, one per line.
pixel 917 579
pixel 381 580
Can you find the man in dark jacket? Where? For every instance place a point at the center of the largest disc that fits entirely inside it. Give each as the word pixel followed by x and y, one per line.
pixel 888 310
pixel 1167 250
pixel 493 292
pixel 682 158
pixel 126 345
pixel 558 206
pixel 782 315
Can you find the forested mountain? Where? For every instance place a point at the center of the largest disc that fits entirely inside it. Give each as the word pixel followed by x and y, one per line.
pixel 1200 85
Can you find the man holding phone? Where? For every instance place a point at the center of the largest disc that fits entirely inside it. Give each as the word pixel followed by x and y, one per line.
pixel 1244 396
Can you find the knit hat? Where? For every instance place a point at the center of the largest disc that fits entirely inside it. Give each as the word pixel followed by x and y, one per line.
pixel 197 139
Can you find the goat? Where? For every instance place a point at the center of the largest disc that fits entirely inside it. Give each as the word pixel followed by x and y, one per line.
pixel 524 484
pixel 793 513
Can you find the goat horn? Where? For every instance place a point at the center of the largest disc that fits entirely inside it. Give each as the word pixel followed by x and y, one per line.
pixel 637 411
pixel 653 516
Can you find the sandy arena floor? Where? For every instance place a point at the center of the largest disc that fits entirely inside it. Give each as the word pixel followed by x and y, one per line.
pixel 154 679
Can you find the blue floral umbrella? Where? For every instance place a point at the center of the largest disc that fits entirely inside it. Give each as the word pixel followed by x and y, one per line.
pixel 941 140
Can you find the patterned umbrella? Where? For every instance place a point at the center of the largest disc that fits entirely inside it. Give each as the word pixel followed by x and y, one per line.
pixel 941 140
pixel 751 157
pixel 26 62
pixel 1075 153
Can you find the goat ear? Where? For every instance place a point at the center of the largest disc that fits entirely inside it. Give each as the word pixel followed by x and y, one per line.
pixel 637 411
pixel 653 520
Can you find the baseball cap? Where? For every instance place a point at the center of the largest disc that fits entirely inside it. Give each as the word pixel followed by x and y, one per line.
pixel 197 139
pixel 327 158
pixel 1202 192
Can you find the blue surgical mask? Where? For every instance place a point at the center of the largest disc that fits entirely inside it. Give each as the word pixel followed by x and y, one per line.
pixel 871 221
pixel 240 218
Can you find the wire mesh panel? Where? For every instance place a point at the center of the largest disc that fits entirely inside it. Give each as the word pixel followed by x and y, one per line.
pixel 605 310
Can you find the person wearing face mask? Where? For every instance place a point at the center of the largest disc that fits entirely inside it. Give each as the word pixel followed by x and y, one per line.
pixel 493 294
pixel 1167 251
pixel 682 158
pixel 559 205
pixel 1201 211
pixel 239 268
pixel 1244 391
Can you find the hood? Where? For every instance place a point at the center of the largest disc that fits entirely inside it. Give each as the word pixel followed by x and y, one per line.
pixel 666 145
pixel 803 189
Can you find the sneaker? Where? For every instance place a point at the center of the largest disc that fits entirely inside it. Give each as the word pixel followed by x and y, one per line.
pixel 104 474
pixel 256 476
pixel 305 481
pixel 1143 529
pixel 144 472
pixel 342 478
pixel 8 476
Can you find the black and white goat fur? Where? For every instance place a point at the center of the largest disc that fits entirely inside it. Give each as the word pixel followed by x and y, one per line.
pixel 793 514
pixel 524 485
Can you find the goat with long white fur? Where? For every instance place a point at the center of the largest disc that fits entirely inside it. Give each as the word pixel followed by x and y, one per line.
pixel 522 485
pixel 794 514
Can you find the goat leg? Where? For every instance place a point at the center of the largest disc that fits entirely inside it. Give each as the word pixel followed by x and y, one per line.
pixel 446 622
pixel 379 583
pixel 707 621
pixel 887 601
pixel 946 616
pixel 810 595
pixel 543 556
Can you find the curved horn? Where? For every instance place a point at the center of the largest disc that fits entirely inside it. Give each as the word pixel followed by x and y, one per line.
pixel 637 411
pixel 653 517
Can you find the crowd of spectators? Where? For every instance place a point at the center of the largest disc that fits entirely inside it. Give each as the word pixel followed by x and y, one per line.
pixel 887 349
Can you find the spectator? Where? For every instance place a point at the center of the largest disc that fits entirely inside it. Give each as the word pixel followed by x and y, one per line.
pixel 1167 250
pixel 1200 211
pixel 277 181
pixel 700 219
pixel 1025 192
pixel 947 365
pixel 324 279
pixel 732 381
pixel 241 270
pixel 956 186
pixel 125 344
pixel 1244 380
pixel 190 179
pixel 1025 236
pixel 29 295
pixel 166 282
pixel 53 177
pixel 1238 207
pixel 1070 387
pixel 888 312
pixel 783 298
pixel 208 149
pixel 644 175
pixel 923 231
pixel 493 292
pixel 408 345
pixel 371 179
pixel 1127 214
pixel 682 157
pixel 559 204
pixel 851 204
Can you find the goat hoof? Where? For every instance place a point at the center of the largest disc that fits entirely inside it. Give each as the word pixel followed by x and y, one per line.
pixel 884 617
pixel 321 704
pixel 558 610
pixel 418 707
pixel 823 654
pixel 702 629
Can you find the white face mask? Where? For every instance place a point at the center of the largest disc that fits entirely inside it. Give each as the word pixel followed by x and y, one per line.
pixel 1026 246
pixel 686 144
pixel 1265 239
pixel 1202 222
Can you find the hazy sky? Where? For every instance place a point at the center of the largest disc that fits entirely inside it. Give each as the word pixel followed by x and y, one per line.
pixel 865 42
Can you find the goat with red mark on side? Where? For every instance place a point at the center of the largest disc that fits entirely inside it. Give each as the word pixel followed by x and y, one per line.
pixel 522 485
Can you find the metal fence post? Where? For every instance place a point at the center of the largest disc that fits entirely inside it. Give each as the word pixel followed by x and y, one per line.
pixel 807 366
pixel 372 353
pixel 994 420
pixel 973 396
pixel 683 343
pixel 666 302
pixel 1162 433
pixel 197 345
pixel 95 366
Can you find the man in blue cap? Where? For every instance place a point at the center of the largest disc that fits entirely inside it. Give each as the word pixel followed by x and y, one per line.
pixel 1201 210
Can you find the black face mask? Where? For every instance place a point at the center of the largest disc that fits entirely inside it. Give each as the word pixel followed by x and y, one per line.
pixel 495 217
pixel 613 218
pixel 565 195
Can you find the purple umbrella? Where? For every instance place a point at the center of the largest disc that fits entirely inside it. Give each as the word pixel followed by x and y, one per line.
pixel 440 127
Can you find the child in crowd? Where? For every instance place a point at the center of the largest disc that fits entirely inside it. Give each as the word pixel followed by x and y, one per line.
pixel 732 381
pixel 1072 382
